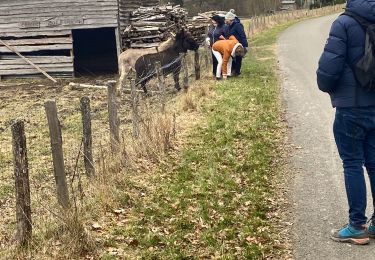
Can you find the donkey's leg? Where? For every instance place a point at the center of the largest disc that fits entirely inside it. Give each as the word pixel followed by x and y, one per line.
pixel 121 80
pixel 176 78
pixel 143 85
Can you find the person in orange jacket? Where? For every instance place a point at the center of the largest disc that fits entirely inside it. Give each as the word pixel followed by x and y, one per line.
pixel 224 51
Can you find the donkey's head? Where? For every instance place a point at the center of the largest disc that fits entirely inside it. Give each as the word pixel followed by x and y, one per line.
pixel 185 42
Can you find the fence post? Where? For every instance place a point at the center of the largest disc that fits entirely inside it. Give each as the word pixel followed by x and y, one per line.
pixel 114 124
pixel 197 65
pixel 186 72
pixel 206 58
pixel 161 84
pixel 135 115
pixel 21 177
pixel 87 136
pixel 57 153
pixel 252 21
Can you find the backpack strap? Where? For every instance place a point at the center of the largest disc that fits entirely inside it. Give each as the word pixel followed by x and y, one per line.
pixel 362 21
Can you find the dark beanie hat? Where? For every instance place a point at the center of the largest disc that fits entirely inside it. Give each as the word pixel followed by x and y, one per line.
pixel 218 19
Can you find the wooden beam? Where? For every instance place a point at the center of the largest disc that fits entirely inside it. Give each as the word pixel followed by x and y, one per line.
pixel 33 71
pixel 10 60
pixel 38 48
pixel 44 41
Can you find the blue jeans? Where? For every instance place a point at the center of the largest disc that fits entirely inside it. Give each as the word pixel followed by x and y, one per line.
pixel 354 130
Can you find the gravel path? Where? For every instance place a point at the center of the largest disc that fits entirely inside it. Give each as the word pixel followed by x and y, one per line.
pixel 318 187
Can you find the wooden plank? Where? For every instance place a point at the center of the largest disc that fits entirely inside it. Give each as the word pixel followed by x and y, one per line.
pixel 80 86
pixel 44 41
pixel 42 16
pixel 42 66
pixel 38 48
pixel 61 32
pixel 44 25
pixel 63 5
pixel 65 13
pixel 20 4
pixel 7 60
pixel 32 76
pixel 34 71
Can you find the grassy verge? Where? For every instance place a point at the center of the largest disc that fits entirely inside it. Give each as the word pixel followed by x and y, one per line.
pixel 215 198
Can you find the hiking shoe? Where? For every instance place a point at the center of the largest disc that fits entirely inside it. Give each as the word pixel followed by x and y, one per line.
pixel 371 229
pixel 350 234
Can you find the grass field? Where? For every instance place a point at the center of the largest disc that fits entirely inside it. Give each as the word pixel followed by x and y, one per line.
pixel 216 196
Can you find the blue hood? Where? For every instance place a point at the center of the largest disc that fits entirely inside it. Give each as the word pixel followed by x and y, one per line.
pixel 364 8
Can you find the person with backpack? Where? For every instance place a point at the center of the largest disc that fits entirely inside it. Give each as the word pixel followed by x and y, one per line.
pixel 347 73
pixel 235 28
pixel 215 31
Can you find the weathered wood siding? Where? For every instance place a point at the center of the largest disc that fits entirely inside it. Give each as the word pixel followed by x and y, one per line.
pixel 36 26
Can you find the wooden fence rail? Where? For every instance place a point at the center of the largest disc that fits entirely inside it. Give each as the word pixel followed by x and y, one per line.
pixel 260 23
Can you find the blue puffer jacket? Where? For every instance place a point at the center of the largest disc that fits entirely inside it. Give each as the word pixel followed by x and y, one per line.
pixel 237 30
pixel 214 33
pixel 345 45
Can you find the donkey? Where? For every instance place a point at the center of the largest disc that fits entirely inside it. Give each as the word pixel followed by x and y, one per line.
pixel 169 57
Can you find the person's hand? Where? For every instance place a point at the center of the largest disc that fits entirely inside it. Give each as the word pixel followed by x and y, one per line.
pixel 208 42
pixel 222 37
pixel 225 76
pixel 247 49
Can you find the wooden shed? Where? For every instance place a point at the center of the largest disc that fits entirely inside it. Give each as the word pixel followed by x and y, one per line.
pixel 63 37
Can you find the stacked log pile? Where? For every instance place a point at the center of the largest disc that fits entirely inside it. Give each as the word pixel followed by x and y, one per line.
pixel 198 24
pixel 151 25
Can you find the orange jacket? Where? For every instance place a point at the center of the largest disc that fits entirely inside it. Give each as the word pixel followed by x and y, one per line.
pixel 226 48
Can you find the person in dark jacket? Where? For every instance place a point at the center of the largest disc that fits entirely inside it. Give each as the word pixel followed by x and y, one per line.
pixel 235 28
pixel 354 125
pixel 215 31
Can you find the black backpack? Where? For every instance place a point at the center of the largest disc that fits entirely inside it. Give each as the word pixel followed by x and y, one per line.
pixel 364 69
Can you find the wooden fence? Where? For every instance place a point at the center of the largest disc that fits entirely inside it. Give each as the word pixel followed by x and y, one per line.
pixel 258 24
pixel 191 69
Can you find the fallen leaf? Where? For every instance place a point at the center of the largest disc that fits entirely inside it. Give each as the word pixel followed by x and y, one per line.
pixel 119 211
pixel 96 226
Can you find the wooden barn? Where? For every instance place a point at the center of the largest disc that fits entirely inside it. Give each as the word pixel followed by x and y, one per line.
pixel 63 37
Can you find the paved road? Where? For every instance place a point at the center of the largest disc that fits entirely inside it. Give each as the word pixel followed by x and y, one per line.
pixel 318 188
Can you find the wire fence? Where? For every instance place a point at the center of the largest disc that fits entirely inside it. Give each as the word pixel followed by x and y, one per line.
pixel 260 23
pixel 56 165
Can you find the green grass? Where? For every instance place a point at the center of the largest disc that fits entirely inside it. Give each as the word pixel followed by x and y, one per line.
pixel 5 190
pixel 212 200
